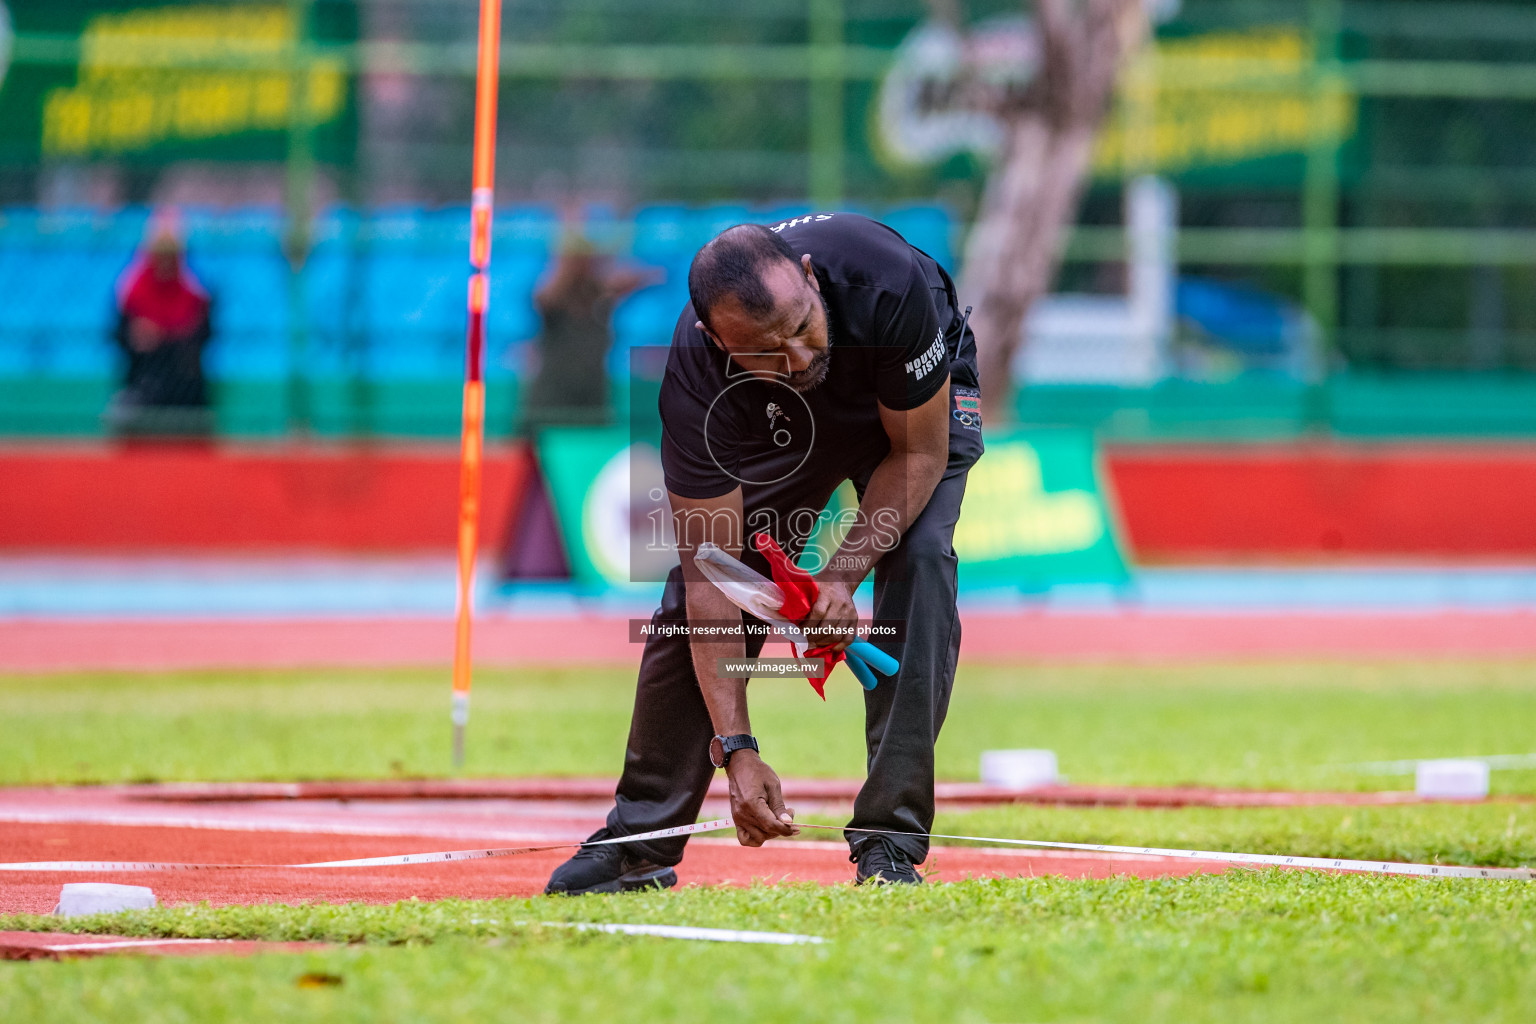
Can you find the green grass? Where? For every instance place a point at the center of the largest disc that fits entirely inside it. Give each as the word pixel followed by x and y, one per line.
pixel 1247 946
pixel 1270 725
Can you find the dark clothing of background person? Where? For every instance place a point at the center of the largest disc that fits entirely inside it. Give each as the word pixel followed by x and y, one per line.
pixel 895 331
pixel 163 326
pixel 575 304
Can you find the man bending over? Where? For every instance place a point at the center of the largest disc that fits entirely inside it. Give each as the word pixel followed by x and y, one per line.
pixel 815 351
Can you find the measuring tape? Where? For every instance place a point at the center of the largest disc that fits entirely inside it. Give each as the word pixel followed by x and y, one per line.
pixel 444 857
pixel 1372 867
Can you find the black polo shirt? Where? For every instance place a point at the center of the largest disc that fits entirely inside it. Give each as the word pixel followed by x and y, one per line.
pixel 894 338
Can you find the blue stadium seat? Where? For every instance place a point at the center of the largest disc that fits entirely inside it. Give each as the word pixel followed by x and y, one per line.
pixel 664 235
pixel 778 214
pixel 648 317
pixel 1243 317
pixel 17 358
pixel 18 226
pixel 383 291
pixel 416 355
pixel 524 229
pixel 90 354
pixel 514 276
pixel 251 293
pixel 332 286
pixel 930 228
pixel 709 221
pixel 247 355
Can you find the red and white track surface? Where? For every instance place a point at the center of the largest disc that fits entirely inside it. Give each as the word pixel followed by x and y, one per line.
pixel 276 824
pixel 119 824
pixel 53 645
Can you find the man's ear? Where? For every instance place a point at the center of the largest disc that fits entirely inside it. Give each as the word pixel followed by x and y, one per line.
pixel 810 275
pixel 709 334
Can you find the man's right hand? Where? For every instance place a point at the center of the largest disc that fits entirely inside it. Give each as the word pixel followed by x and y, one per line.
pixel 757 802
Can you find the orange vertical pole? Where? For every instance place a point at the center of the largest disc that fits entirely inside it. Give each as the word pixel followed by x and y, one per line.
pixel 487 78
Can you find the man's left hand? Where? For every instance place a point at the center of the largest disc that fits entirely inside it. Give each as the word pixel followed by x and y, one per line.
pixel 833 621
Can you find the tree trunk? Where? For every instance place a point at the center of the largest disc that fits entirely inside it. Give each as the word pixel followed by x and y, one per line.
pixel 1032 194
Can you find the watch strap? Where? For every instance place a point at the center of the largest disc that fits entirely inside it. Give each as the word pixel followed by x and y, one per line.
pixel 728 745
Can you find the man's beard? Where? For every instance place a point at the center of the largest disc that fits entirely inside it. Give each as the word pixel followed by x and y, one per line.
pixel 814 374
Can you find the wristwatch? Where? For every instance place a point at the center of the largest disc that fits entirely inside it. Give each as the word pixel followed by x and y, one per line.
pixel 722 747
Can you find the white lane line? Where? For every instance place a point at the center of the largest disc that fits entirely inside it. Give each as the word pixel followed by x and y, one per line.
pixel 67 947
pixel 435 857
pixel 1375 867
pixel 425 830
pixel 664 931
pixel 842 847
pixel 672 931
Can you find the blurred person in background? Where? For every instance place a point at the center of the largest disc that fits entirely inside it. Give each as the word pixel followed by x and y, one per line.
pixel 575 304
pixel 163 326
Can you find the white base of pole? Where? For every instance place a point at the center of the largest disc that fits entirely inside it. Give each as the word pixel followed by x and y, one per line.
pixel 460 716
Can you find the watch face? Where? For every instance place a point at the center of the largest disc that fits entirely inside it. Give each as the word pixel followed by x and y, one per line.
pixel 717 752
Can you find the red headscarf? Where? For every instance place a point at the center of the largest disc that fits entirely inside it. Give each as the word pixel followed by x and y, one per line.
pixel 176 305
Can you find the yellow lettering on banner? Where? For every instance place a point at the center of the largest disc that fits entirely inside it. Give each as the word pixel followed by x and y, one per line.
pixel 191 115
pixel 327 92
pixel 153 76
pixel 271 107
pixel 66 123
pixel 1008 512
pixel 1224 98
pixel 130 120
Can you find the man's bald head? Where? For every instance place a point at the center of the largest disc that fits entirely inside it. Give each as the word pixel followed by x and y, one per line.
pixel 762 305
pixel 733 265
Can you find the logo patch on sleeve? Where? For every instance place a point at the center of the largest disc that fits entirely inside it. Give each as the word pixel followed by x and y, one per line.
pixel 968 408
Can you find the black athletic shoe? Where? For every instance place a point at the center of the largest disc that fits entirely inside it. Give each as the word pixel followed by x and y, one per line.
pixel 610 868
pixel 882 862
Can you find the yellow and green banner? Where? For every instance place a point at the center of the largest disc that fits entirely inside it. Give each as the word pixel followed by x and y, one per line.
pixel 1037 513
pixel 152 82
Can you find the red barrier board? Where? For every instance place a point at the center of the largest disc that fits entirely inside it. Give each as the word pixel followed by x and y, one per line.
pixel 203 498
pixel 1182 503
pixel 1177 502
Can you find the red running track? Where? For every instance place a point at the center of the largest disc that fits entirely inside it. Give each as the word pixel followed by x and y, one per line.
pixel 268 825
pixel 709 862
pixel 54 645
pixel 156 824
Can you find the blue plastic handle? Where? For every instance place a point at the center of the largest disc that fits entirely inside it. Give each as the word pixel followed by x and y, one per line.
pixel 874 657
pixel 861 672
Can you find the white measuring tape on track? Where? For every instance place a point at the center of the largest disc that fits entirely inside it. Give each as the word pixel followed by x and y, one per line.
pixel 444 857
pixel 1371 867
